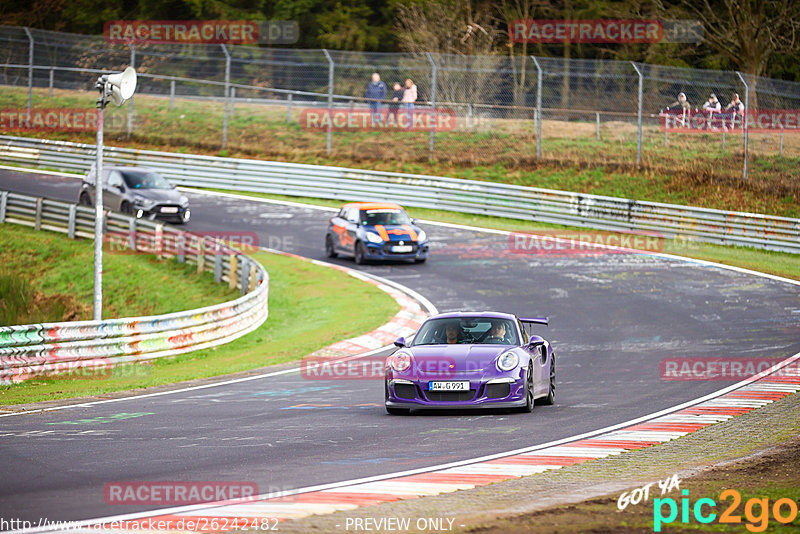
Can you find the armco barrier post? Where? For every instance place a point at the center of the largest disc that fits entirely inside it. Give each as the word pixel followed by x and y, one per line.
pixel 538 109
pixel 71 222
pixel 244 282
pixel 218 267
pixel 30 69
pixel 50 84
pixel 330 101
pixel 233 272
pixel 227 94
pixel 38 221
pixel 639 117
pixel 3 204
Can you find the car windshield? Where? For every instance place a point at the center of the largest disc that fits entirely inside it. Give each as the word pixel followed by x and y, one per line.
pixel 145 180
pixel 384 216
pixel 467 330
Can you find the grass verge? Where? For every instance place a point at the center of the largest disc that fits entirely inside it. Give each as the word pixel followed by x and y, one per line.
pixel 56 273
pixel 692 168
pixel 777 263
pixel 310 307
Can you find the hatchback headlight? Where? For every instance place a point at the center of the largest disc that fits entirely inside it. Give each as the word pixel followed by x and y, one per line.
pixel 507 361
pixel 374 238
pixel 400 361
pixel 421 236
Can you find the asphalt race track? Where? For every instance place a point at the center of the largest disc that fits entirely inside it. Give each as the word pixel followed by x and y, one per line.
pixel 614 317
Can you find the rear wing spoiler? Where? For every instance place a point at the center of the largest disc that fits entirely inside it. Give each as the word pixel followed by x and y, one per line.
pixel 535 320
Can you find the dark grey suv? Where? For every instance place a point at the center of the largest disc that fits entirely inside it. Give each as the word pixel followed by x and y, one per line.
pixel 137 191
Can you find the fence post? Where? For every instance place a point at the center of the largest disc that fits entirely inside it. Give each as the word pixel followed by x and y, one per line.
pixel 289 109
pixel 181 255
pixel 233 100
pixel 597 129
pixel 780 150
pixel 666 120
pixel 433 101
pixel 50 86
pixel 227 94
pixel 232 272
pixel 744 117
pixel 171 94
pixel 30 70
pixel 639 117
pixel 330 100
pixel 469 116
pixel 723 140
pixel 130 101
pixel 538 109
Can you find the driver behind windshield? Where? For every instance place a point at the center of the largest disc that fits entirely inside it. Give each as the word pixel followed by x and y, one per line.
pixel 497 333
pixel 452 333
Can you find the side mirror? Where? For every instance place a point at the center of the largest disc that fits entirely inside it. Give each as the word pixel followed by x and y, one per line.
pixel 414 221
pixel 535 343
pixel 400 342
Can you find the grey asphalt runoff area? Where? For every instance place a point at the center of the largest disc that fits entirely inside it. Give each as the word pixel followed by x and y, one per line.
pixel 614 318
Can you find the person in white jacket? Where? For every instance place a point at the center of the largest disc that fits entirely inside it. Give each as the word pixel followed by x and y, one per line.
pixel 409 97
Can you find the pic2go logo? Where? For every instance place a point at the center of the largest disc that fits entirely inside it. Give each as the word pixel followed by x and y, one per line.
pixel 756 511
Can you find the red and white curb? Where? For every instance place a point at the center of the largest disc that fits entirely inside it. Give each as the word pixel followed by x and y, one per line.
pixel 780 381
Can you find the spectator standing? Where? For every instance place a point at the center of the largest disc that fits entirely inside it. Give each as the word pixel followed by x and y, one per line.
pixel 376 92
pixel 736 107
pixel 409 97
pixel 397 97
pixel 711 106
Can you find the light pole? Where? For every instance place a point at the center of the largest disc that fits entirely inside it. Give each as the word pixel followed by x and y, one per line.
pixel 116 88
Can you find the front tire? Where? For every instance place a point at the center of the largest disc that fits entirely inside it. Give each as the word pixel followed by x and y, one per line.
pixel 529 402
pixel 329 250
pixel 359 253
pixel 85 200
pixel 550 399
pixel 126 208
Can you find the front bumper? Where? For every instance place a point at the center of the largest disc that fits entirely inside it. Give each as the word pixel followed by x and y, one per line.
pixel 182 214
pixel 383 251
pixel 494 393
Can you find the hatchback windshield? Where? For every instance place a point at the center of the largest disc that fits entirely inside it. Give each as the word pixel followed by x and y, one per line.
pixel 467 330
pixel 372 217
pixel 145 180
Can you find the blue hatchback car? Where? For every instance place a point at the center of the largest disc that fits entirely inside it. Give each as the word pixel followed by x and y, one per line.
pixel 375 231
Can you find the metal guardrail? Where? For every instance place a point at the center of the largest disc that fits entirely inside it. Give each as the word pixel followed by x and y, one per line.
pixel 43 349
pixel 467 196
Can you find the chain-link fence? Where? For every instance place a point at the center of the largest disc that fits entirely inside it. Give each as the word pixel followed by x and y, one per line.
pixel 301 104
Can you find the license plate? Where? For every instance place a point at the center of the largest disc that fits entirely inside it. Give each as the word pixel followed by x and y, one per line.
pixel 448 386
pixel 169 209
pixel 402 248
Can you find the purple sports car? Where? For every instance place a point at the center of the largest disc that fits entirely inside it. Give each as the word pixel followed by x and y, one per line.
pixel 471 360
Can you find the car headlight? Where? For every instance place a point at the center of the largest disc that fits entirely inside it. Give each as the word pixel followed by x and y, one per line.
pixel 507 361
pixel 422 236
pixel 400 361
pixel 142 201
pixel 374 238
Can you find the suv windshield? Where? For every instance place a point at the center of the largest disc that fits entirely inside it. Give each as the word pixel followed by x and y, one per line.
pixel 467 330
pixel 145 180
pixel 385 216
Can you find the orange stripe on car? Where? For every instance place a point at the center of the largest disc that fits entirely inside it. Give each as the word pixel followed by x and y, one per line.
pixel 411 232
pixel 382 232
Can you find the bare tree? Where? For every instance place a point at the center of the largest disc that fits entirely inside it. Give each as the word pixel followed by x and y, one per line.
pixel 510 11
pixel 457 31
pixel 748 32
